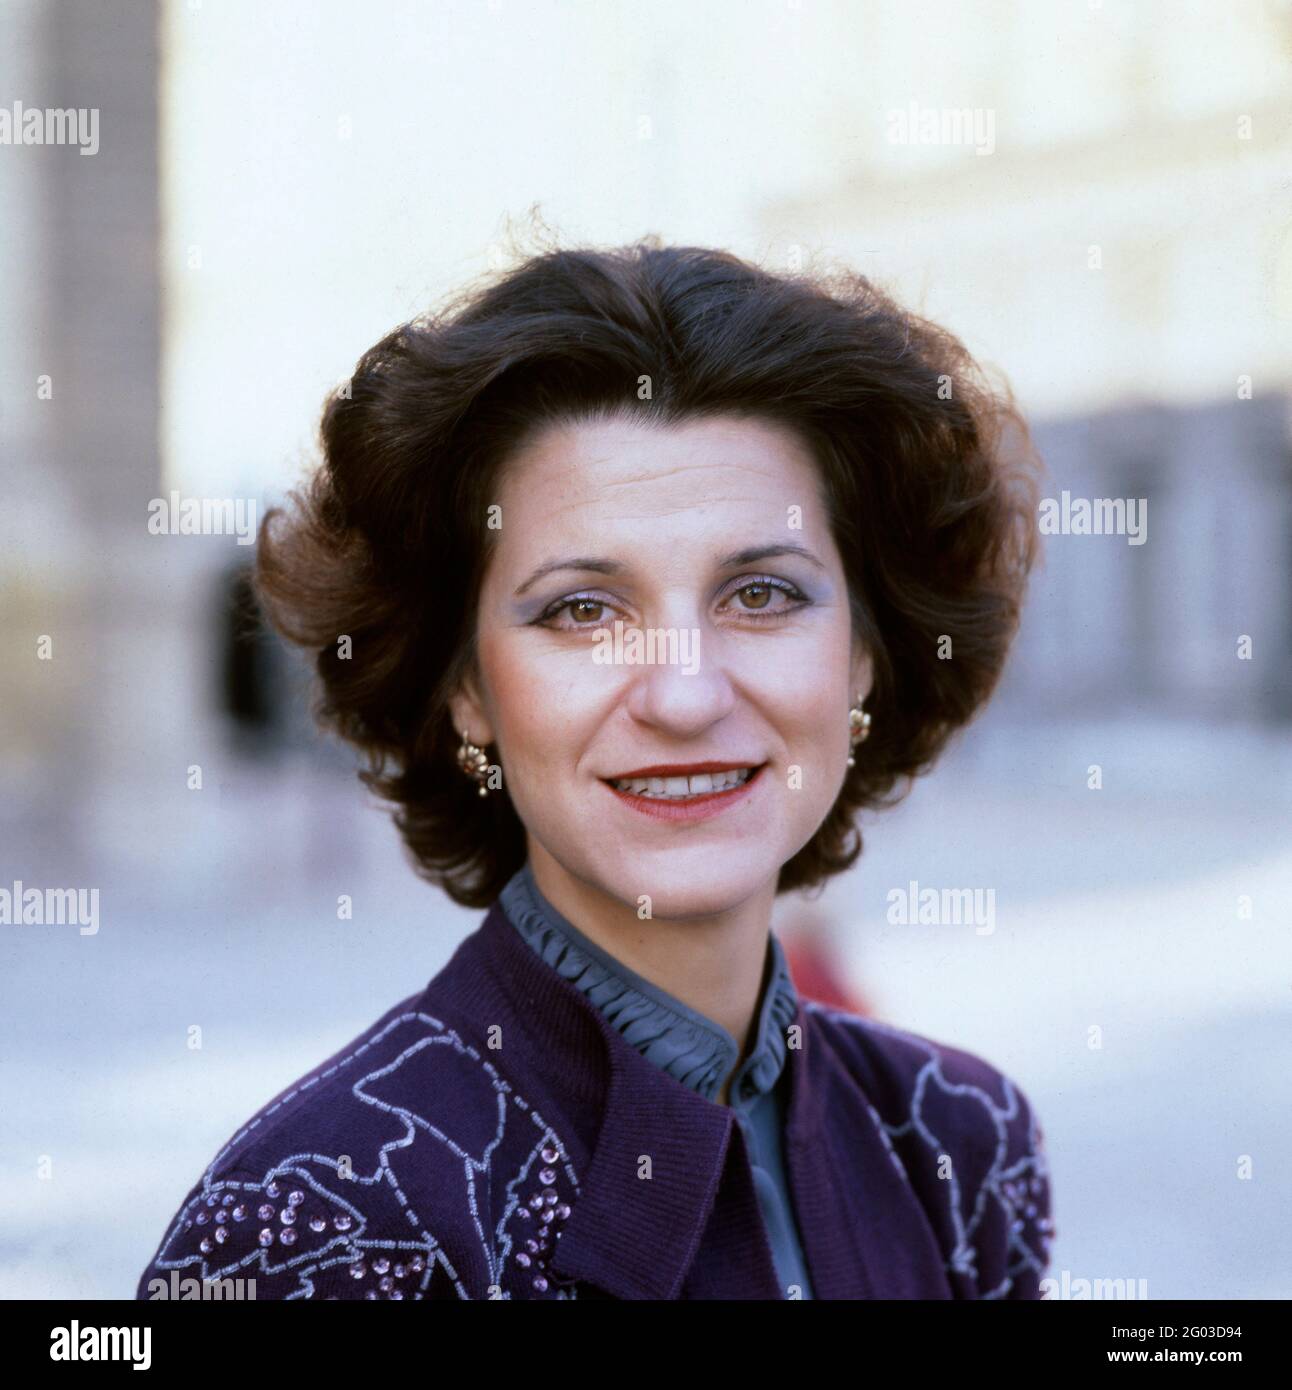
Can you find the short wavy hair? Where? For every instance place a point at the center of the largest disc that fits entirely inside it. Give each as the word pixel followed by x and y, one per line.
pixel 927 471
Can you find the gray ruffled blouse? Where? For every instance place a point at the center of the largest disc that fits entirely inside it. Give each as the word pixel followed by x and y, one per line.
pixel 692 1048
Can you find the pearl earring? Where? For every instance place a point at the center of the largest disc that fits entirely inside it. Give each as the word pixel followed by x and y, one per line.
pixel 474 761
pixel 858 729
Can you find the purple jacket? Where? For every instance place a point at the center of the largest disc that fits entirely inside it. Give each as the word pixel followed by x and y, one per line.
pixel 495 1137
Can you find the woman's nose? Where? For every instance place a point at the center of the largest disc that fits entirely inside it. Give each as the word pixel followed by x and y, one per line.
pixel 682 694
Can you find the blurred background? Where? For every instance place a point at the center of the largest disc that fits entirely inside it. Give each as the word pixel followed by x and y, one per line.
pixel 1096 196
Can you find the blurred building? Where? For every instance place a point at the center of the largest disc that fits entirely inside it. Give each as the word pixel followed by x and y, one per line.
pixel 80 396
pixel 1105 217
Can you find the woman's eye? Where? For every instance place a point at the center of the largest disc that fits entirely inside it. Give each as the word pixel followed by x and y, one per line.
pixel 765 598
pixel 583 612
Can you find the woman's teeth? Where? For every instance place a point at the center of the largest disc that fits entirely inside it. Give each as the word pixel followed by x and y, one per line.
pixel 678 788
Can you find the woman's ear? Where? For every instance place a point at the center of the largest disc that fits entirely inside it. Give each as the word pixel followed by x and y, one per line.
pixel 862 672
pixel 468 713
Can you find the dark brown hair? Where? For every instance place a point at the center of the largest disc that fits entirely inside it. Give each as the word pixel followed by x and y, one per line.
pixel 926 468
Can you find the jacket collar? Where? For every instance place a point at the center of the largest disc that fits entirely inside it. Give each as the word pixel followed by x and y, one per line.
pixel 690 1047
pixel 636 1238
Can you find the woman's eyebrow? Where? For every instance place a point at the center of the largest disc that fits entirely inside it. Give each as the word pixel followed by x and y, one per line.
pixel 586 562
pixel 602 565
pixel 768 552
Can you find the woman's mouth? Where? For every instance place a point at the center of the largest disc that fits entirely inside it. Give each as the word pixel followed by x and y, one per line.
pixel 685 794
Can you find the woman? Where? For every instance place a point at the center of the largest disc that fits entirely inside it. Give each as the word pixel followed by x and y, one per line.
pixel 637 575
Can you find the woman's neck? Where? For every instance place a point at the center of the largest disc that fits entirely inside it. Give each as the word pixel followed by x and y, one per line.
pixel 713 964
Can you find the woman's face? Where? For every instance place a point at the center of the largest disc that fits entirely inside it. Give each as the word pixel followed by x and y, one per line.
pixel 708 542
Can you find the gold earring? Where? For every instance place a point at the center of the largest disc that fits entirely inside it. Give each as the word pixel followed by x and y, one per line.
pixel 858 728
pixel 474 761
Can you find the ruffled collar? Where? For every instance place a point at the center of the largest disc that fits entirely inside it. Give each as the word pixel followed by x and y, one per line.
pixel 692 1048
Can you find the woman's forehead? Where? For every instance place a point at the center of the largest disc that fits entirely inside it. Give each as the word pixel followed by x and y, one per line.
pixel 622 465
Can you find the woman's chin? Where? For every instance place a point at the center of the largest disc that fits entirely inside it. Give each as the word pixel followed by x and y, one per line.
pixel 679 888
